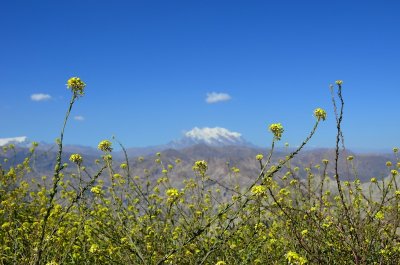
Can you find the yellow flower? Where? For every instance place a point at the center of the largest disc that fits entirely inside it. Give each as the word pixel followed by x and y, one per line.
pixel 259 157
pixel 339 82
pixel 320 114
pixel 277 130
pixel 52 263
pixel 220 263
pixel 325 161
pixel 200 167
pixel 96 190
pixel 235 170
pixel 94 248
pixel 172 193
pixel 394 172
pixel 76 158
pixel 379 215
pixel 105 146
pixel 350 158
pixel 5 225
pixel 107 157
pixel 258 190
pixel 294 258
pixel 76 85
pixel 388 164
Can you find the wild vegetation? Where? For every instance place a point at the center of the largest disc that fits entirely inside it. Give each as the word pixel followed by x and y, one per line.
pixel 76 217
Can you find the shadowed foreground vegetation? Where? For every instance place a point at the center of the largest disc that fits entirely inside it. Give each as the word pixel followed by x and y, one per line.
pixel 76 217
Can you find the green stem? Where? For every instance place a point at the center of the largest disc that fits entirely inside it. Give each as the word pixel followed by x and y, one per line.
pixel 56 180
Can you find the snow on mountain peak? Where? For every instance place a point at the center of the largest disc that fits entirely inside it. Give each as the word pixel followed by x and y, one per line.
pixel 216 136
pixel 13 140
pixel 211 135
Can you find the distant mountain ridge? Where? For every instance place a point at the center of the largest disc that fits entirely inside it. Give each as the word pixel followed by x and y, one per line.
pixel 218 146
pixel 219 158
pixel 214 137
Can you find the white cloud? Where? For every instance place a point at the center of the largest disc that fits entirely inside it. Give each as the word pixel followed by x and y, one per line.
pixel 40 97
pixel 215 97
pixel 5 141
pixel 79 118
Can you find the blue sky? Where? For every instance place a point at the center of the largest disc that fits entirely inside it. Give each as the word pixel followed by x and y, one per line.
pixel 149 66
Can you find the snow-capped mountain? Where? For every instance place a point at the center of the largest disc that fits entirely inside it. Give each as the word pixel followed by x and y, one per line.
pixel 212 137
pixel 216 136
pixel 19 141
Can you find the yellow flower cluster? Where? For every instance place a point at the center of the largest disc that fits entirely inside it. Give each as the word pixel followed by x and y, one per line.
pixel 379 215
pixel 294 258
pixel 172 193
pixel 105 146
pixel 94 248
pixel 259 157
pixel 320 114
pixel 96 190
pixel 277 130
pixel 76 85
pixel 200 167
pixel 235 170
pixel 339 82
pixel 258 190
pixel 76 158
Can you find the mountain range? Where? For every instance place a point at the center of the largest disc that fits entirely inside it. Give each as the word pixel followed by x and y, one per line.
pixel 221 148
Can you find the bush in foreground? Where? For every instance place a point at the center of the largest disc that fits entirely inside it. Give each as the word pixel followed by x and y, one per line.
pixel 279 218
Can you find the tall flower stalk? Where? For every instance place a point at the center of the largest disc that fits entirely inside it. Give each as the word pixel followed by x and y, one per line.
pixel 77 86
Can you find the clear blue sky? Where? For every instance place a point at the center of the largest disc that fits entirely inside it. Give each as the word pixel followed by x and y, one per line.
pixel 149 66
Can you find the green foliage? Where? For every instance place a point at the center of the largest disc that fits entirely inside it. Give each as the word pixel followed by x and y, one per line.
pixel 75 218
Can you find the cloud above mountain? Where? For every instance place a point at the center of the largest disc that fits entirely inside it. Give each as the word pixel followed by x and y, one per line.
pixel 79 118
pixel 215 97
pixel 40 97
